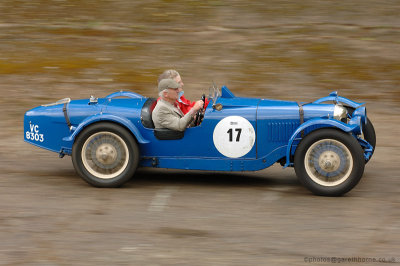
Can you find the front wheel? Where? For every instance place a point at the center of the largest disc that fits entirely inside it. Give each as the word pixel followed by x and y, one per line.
pixel 105 155
pixel 329 162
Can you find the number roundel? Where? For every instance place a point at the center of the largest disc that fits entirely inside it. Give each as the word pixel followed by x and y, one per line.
pixel 234 136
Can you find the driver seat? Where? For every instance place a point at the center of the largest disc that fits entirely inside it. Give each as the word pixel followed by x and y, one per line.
pixel 147 110
pixel 147 121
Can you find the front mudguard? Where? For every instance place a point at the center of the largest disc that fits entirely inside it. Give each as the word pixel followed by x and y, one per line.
pixel 339 99
pixel 354 127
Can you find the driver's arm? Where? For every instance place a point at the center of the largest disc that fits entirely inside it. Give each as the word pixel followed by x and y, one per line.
pixel 164 117
pixel 171 121
pixel 167 118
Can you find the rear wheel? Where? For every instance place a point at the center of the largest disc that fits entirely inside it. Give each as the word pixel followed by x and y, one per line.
pixel 105 155
pixel 329 162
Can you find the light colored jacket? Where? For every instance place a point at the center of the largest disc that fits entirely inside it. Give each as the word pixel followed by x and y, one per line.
pixel 166 115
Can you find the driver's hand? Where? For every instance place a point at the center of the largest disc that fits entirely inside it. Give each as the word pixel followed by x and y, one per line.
pixel 198 105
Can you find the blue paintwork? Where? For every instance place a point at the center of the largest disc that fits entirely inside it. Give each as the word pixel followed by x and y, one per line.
pixel 276 124
pixel 226 93
pixel 362 113
pixel 368 149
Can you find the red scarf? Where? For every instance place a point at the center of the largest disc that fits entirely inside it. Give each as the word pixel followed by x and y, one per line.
pixel 185 105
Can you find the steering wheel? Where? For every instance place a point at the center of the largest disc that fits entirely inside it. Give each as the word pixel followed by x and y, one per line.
pixel 200 113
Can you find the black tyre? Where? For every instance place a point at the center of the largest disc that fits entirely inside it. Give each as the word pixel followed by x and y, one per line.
pixel 329 162
pixel 105 155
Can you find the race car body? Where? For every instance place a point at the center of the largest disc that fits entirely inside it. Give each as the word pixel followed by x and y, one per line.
pixel 328 141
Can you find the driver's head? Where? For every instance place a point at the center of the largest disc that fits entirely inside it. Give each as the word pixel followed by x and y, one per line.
pixel 171 74
pixel 168 89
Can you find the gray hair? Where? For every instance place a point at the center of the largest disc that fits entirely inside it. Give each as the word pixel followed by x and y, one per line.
pixel 161 93
pixel 168 74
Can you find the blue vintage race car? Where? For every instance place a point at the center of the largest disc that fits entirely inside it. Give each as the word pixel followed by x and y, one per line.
pixel 327 141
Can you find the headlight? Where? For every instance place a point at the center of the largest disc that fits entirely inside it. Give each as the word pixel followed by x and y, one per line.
pixel 340 113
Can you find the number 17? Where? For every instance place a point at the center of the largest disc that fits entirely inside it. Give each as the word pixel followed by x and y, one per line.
pixel 230 132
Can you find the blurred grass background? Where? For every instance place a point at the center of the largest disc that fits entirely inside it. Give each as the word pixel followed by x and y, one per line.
pixel 295 50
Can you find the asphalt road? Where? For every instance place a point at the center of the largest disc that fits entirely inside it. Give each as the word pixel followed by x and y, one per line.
pixel 49 216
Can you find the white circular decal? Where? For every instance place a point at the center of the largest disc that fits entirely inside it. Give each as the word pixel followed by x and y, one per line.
pixel 234 136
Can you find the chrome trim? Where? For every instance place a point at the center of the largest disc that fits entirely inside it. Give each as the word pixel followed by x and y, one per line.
pixel 340 113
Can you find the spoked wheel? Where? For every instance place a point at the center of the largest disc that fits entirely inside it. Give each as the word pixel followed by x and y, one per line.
pixel 329 162
pixel 105 155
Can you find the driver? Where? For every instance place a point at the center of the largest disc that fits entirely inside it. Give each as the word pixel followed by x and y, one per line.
pixel 167 113
pixel 184 104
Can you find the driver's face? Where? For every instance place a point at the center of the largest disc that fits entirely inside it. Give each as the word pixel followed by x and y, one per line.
pixel 178 79
pixel 173 94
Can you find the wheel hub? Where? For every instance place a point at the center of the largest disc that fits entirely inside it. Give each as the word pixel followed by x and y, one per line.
pixel 329 161
pixel 106 153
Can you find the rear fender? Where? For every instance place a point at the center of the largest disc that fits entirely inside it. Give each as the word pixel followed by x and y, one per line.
pixel 104 118
pixel 331 123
